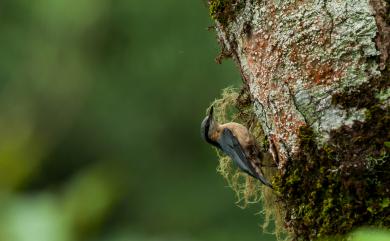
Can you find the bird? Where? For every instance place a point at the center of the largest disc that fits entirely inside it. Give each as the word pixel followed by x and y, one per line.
pixel 237 142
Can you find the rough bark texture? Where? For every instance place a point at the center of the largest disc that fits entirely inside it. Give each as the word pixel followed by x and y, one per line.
pixel 318 76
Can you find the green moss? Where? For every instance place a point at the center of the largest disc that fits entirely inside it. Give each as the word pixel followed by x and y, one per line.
pixel 236 105
pixel 387 144
pixel 343 185
pixel 225 10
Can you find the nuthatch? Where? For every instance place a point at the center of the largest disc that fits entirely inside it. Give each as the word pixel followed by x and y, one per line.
pixel 237 142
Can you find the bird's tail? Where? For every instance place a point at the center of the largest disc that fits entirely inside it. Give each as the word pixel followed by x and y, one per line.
pixel 264 181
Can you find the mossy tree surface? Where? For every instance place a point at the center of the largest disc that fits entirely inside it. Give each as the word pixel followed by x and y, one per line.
pixel 318 76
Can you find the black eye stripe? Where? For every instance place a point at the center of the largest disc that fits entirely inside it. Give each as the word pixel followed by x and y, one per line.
pixel 207 129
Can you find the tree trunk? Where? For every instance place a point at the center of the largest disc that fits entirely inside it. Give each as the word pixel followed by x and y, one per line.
pixel 318 76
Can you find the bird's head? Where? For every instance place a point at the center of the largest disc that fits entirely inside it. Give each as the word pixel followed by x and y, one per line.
pixel 208 126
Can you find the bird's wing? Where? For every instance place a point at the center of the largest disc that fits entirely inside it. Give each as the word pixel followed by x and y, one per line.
pixel 230 145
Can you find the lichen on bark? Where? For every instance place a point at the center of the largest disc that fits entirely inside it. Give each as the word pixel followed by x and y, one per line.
pixel 297 55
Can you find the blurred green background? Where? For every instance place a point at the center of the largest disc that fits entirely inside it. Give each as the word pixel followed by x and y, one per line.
pixel 100 107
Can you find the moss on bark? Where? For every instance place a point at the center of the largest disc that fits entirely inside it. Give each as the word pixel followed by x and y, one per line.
pixel 225 10
pixel 342 185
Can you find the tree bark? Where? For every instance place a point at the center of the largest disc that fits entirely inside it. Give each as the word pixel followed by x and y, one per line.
pixel 318 76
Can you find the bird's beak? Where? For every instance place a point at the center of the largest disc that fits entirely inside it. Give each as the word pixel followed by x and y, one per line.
pixel 211 112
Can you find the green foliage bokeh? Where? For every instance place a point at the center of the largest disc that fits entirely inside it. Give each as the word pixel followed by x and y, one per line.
pixel 100 107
